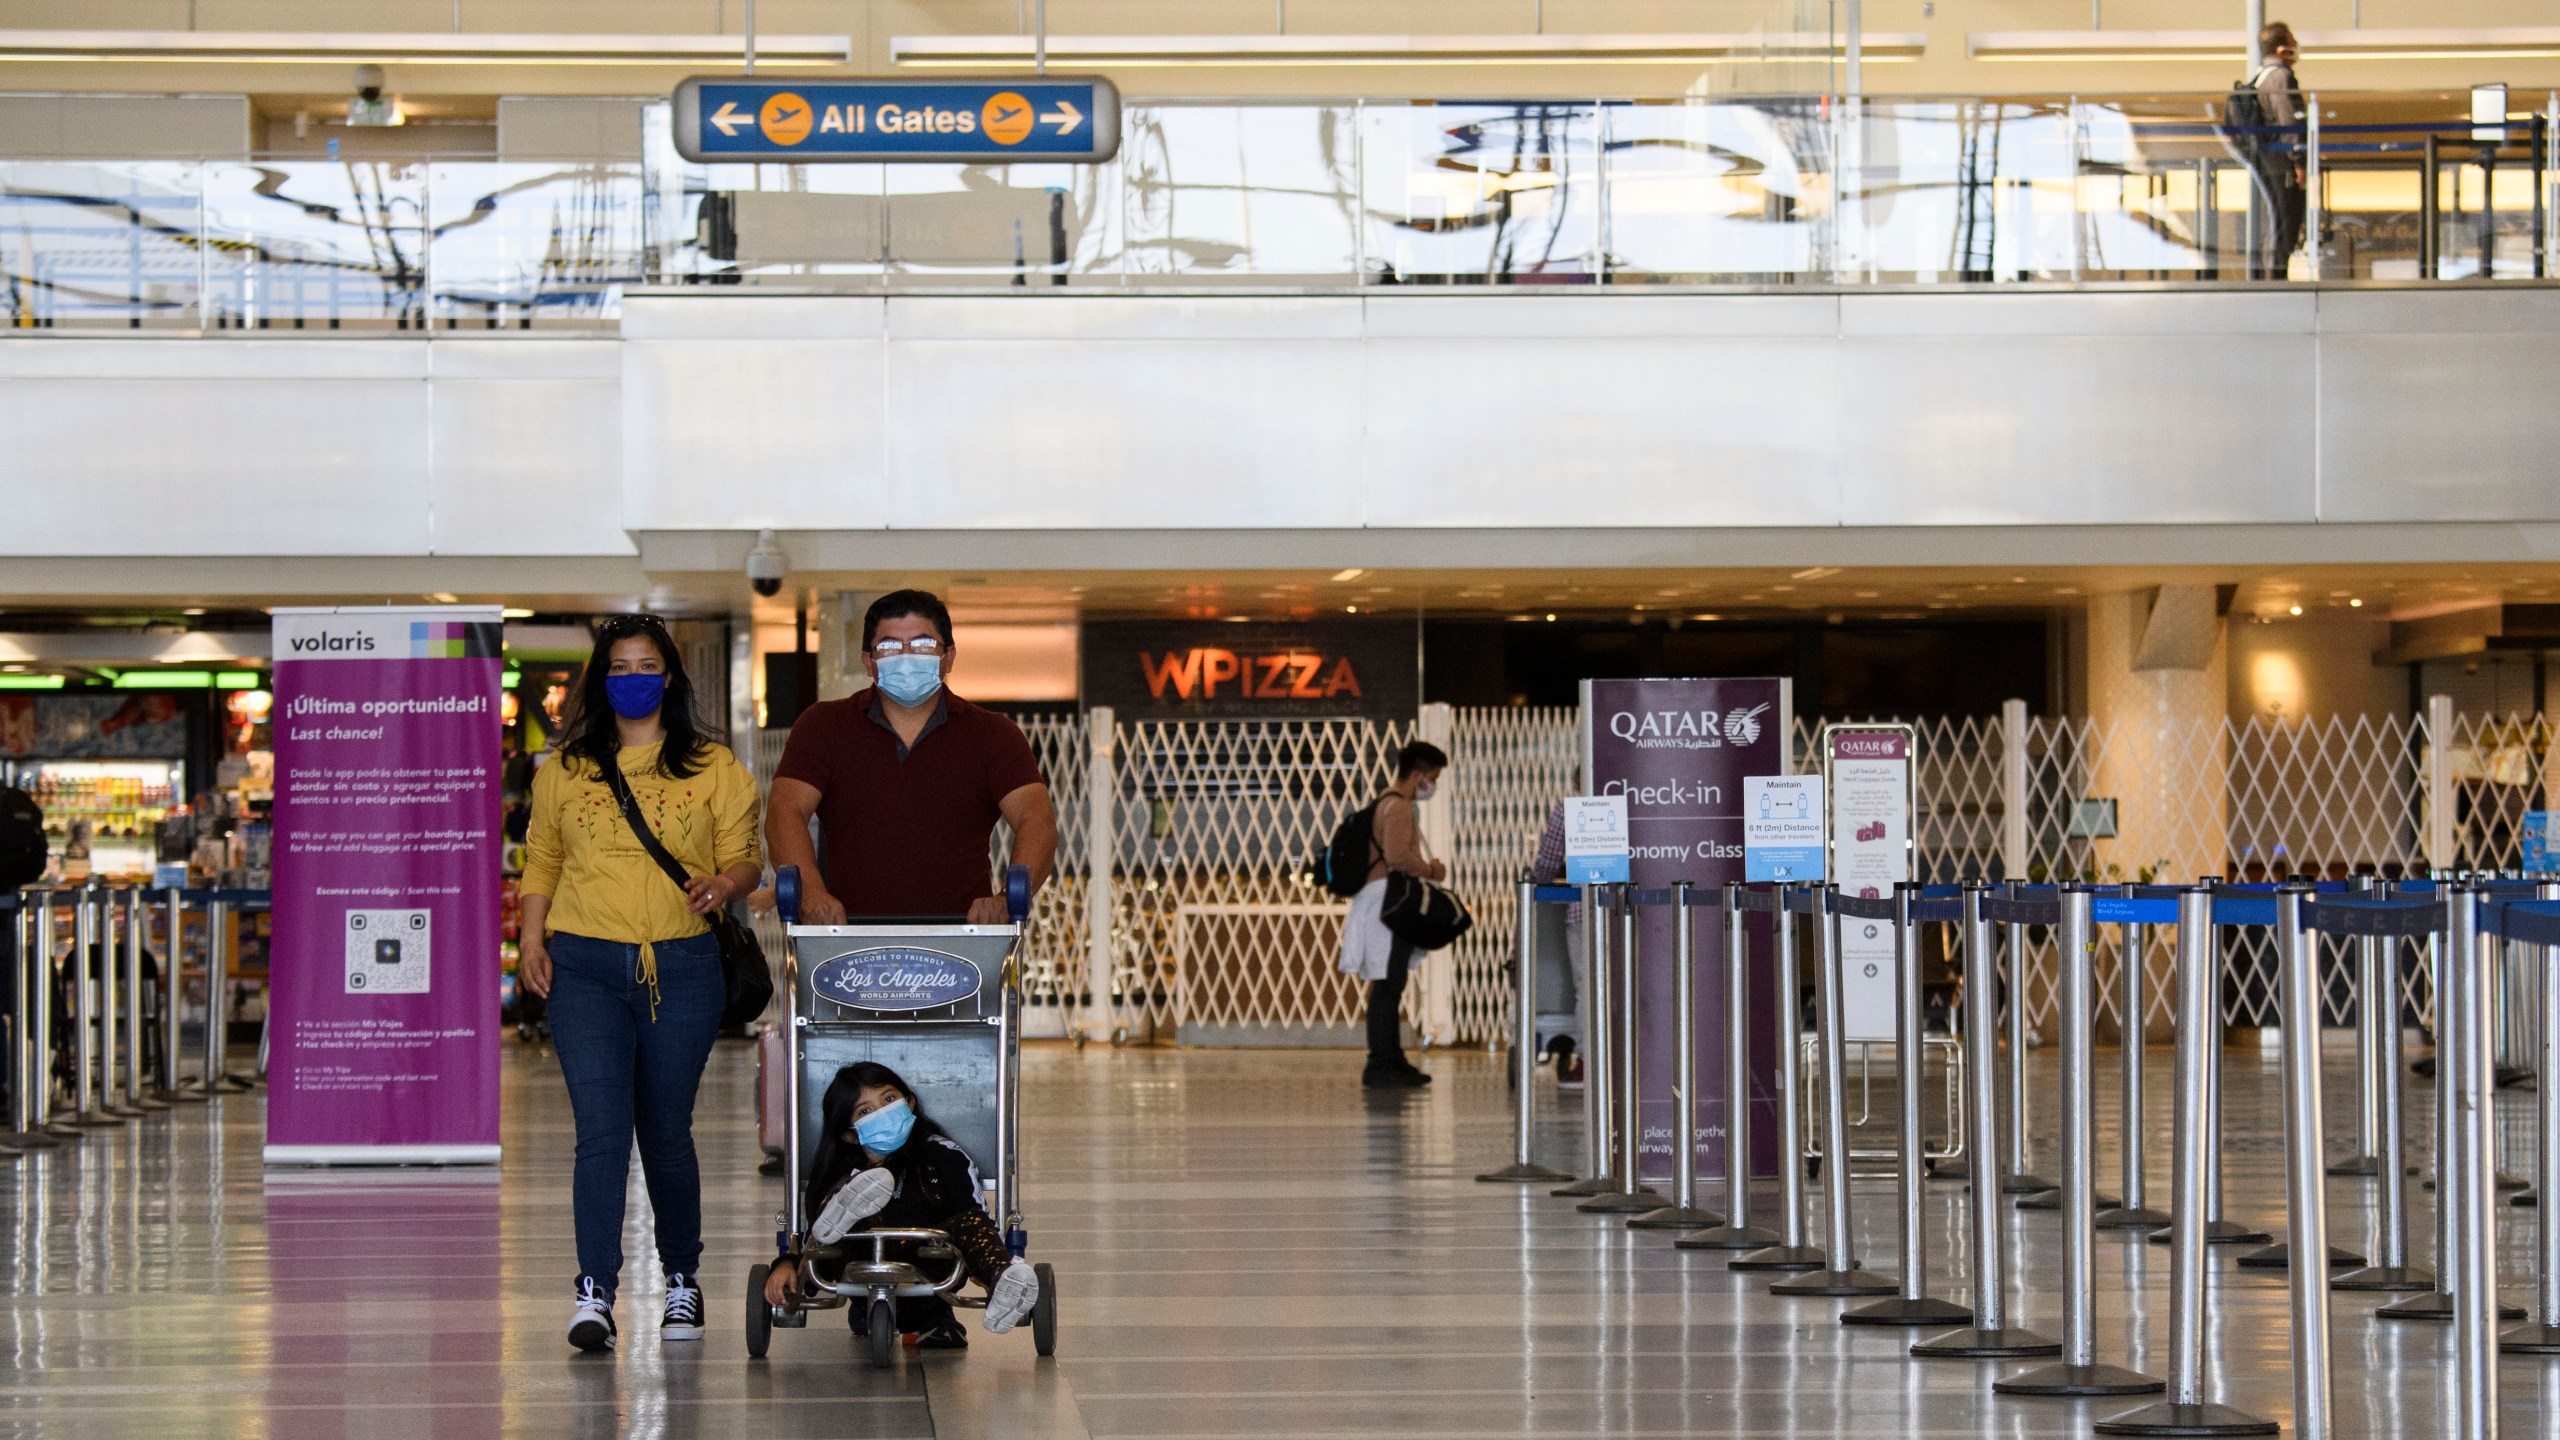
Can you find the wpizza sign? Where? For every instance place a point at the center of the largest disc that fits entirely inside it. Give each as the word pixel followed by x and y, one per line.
pixel 1194 670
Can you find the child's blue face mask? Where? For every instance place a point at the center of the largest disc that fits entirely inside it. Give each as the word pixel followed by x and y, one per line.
pixel 883 1130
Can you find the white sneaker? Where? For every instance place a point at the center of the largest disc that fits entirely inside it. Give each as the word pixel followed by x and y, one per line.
pixel 683 1320
pixel 591 1324
pixel 1012 1296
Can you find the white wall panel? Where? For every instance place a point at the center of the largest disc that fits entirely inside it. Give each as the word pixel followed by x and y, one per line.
pixel 2440 405
pixel 527 443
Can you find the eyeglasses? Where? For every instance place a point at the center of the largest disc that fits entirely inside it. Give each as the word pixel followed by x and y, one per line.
pixel 922 645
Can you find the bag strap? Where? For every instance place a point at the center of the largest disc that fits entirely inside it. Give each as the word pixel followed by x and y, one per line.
pixel 623 797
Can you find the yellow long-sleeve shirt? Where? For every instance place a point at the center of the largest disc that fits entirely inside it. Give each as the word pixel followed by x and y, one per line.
pixel 581 853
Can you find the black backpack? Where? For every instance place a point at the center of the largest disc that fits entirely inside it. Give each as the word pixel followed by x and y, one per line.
pixel 2244 115
pixel 1342 867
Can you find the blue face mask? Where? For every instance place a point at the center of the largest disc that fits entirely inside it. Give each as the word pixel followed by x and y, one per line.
pixel 910 679
pixel 635 697
pixel 883 1130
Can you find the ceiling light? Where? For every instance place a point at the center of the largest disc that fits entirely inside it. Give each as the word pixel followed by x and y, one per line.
pixel 314 47
pixel 1551 614
pixel 2355 604
pixel 1817 572
pixel 2295 610
pixel 444 598
pixel 515 612
pixel 1122 51
pixel 1710 615
pixel 192 610
pixel 1345 576
pixel 1350 609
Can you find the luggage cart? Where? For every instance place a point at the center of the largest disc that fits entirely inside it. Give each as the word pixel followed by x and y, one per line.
pixel 940 1003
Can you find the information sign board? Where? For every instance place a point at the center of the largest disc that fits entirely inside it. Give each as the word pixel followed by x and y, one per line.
pixel 1782 829
pixel 1869 767
pixel 1595 840
pixel 1069 119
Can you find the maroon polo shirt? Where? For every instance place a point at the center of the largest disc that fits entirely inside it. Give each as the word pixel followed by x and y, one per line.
pixel 907 827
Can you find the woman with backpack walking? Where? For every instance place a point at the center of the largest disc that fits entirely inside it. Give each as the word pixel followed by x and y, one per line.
pixel 630 964
pixel 1369 950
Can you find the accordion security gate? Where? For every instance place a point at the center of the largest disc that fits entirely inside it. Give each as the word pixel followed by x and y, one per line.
pixel 1202 832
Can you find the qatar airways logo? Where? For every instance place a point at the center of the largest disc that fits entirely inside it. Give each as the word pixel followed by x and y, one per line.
pixel 1687 729
pixel 896 979
pixel 1866 747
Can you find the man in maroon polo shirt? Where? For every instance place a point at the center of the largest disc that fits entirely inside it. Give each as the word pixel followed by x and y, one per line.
pixel 907 781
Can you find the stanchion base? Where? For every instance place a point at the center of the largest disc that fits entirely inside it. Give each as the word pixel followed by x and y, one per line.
pixel 1728 1237
pixel 94 1120
pixel 2508 1077
pixel 2526 1199
pixel 2437 1306
pixel 2222 1232
pixel 35 1140
pixel 2531 1340
pixel 1780 1257
pixel 2052 1200
pixel 1522 1174
pixel 1585 1189
pixel 127 1112
pixel 2079 1380
pixel 2008 1343
pixel 2354 1165
pixel 2141 1218
pixel 150 1104
pixel 2279 1256
pixel 1836 1282
pixel 1621 1203
pixel 2176 1419
pixel 2386 1277
pixel 1674 1217
pixel 1923 1311
pixel 2025 1182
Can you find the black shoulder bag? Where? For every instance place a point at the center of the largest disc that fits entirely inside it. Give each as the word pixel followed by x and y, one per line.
pixel 745 976
pixel 1423 914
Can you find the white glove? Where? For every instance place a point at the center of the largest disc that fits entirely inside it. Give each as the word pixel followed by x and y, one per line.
pixel 855 1201
pixel 1012 1296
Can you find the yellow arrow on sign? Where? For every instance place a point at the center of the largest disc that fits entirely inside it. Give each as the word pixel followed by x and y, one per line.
pixel 1066 117
pixel 729 117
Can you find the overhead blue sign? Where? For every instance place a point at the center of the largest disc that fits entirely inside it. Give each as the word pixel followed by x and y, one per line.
pixel 1047 119
pixel 899 978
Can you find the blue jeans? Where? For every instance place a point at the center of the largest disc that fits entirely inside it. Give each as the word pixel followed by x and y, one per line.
pixel 631 1075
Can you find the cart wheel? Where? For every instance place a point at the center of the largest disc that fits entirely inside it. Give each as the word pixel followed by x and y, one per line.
pixel 759 1314
pixel 884 1332
pixel 1044 1312
pixel 1119 1036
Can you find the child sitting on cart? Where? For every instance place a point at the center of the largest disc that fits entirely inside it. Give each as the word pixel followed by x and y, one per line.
pixel 881 1161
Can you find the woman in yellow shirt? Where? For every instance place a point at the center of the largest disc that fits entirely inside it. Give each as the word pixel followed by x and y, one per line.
pixel 630 965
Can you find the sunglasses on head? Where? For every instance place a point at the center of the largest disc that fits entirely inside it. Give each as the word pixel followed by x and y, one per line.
pixel 630 625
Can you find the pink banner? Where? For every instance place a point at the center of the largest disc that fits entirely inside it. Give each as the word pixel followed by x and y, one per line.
pixel 383 1018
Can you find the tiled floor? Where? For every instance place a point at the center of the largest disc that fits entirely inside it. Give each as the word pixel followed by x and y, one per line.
pixel 1247 1244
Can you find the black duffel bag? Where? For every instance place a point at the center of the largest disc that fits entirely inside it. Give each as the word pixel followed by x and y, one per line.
pixel 1424 915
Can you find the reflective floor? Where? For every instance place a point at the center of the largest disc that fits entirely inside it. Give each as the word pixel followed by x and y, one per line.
pixel 1247 1243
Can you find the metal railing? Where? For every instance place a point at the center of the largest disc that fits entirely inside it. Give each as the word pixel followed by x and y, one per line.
pixel 1786 191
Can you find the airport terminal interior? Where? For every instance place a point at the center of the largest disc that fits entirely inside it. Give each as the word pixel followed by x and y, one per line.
pixel 1619 718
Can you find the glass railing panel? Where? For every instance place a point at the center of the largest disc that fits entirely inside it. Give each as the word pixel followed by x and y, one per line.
pixel 315 245
pixel 801 225
pixel 1262 194
pixel 2167 189
pixel 2375 163
pixel 1467 193
pixel 100 243
pixel 1727 190
pixel 521 246
pixel 1018 224
pixel 1960 190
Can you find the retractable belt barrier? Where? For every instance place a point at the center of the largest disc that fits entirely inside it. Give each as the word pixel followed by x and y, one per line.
pixel 1735 1231
pixel 1630 1195
pixel 1841 1274
pixel 119 1069
pixel 1914 1305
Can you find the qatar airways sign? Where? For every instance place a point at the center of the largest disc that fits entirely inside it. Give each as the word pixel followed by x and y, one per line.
pixel 1183 669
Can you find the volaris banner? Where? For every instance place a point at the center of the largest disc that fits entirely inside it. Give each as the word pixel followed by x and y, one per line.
pixel 383 974
pixel 1679 751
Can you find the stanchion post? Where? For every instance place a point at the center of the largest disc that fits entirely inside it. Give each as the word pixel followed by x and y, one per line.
pixel 2133 1211
pixel 86 1111
pixel 1737 1232
pixel 2542 1336
pixel 136 925
pixel 2020 1179
pixel 25 1132
pixel 46 986
pixel 1914 1305
pixel 2373 1002
pixel 1524 1049
pixel 2439 1303
pixel 2078 1371
pixel 1991 1337
pixel 2186 1410
pixel 217 1027
pixel 1683 1212
pixel 1840 1274
pixel 2219 1228
pixel 173 948
pixel 2468 1068
pixel 2306 1165
pixel 1626 1081
pixel 1792 1251
pixel 2379 959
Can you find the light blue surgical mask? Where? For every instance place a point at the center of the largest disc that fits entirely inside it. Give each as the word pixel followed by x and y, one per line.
pixel 910 679
pixel 883 1130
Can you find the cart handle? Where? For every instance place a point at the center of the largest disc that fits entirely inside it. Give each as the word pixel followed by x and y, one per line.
pixel 786 893
pixel 1017 892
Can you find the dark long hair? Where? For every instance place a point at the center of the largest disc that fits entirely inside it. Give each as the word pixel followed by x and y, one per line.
pixel 595 738
pixel 839 1155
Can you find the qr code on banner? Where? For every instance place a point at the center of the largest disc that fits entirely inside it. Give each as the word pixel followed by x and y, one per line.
pixel 386 952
